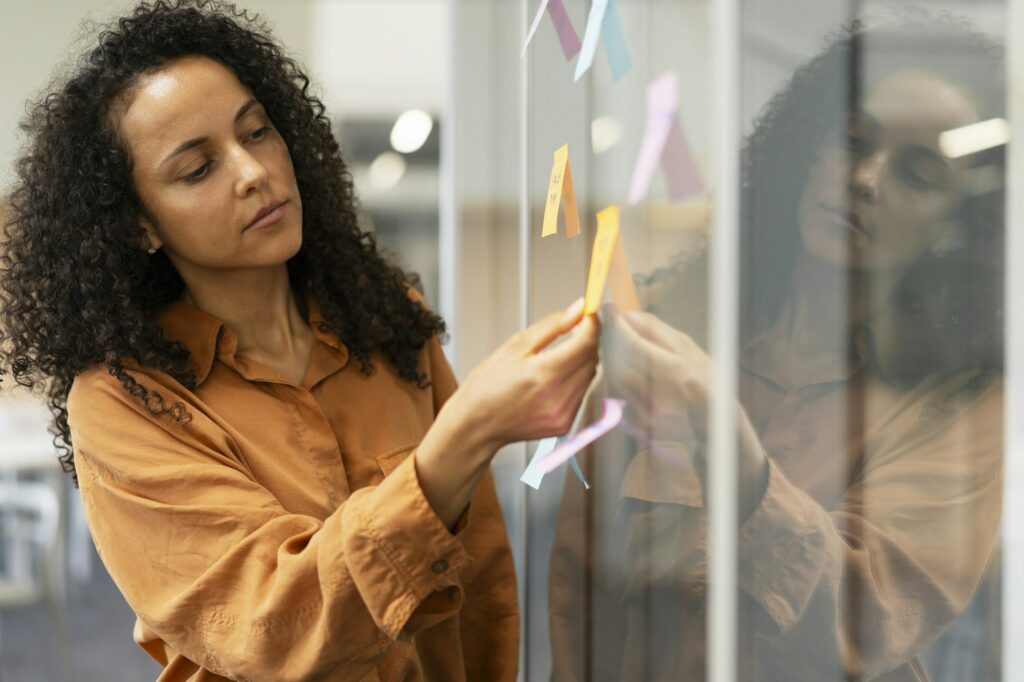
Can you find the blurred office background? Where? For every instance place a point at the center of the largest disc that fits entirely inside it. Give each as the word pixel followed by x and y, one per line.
pixel 449 135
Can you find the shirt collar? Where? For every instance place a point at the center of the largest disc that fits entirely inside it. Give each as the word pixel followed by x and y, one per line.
pixel 756 358
pixel 201 333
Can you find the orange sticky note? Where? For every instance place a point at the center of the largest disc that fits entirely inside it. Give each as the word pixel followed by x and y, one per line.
pixel 621 275
pixel 560 190
pixel 601 258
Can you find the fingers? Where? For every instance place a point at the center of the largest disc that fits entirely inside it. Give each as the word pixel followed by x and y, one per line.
pixel 574 390
pixel 541 333
pixel 652 328
pixel 578 350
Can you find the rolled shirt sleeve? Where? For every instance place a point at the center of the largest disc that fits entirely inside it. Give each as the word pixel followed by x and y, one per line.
pixel 213 564
pixel 865 587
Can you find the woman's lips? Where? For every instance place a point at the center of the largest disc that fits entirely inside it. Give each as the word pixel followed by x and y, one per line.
pixel 846 219
pixel 268 219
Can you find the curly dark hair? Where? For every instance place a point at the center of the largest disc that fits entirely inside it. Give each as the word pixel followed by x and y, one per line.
pixel 75 289
pixel 950 303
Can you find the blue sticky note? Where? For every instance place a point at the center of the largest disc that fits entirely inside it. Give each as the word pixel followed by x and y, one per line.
pixel 604 22
pixel 615 42
pixel 590 35
pixel 534 474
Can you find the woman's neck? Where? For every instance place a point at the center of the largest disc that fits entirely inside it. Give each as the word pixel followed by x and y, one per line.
pixel 259 306
pixel 826 306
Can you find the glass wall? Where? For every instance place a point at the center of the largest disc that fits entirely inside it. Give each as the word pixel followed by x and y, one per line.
pixel 839 360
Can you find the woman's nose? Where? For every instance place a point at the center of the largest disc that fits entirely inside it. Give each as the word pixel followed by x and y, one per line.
pixel 866 176
pixel 251 173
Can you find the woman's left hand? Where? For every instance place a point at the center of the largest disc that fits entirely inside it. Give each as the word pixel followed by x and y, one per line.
pixel 662 374
pixel 665 378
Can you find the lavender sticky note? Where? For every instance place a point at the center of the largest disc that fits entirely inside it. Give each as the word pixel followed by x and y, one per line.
pixel 609 419
pixel 664 141
pixel 567 37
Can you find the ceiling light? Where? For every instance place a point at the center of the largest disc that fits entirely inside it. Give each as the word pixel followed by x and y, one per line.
pixel 411 130
pixel 386 170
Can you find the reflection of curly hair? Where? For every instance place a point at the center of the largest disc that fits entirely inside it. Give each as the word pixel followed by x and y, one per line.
pixel 76 290
pixel 951 303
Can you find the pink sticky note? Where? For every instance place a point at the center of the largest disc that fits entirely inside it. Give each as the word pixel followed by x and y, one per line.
pixel 566 33
pixel 567 36
pixel 663 141
pixel 609 419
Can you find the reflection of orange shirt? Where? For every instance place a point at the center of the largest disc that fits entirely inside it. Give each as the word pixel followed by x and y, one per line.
pixel 878 521
pixel 282 534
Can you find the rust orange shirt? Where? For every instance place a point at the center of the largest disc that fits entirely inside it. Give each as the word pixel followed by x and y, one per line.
pixel 282 534
pixel 878 521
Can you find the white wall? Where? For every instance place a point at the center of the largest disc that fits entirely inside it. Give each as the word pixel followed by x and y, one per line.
pixel 37 38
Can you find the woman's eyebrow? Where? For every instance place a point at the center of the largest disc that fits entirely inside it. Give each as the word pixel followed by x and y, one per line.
pixel 196 141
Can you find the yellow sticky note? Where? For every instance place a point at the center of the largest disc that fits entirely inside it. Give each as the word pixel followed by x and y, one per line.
pixel 621 276
pixel 601 258
pixel 560 189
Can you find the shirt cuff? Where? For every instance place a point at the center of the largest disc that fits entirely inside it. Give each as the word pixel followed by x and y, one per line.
pixel 783 550
pixel 399 552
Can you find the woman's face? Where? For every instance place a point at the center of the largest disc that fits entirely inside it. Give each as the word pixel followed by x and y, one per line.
pixel 207 161
pixel 876 198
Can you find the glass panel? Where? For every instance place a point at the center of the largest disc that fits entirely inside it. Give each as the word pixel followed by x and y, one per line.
pixel 871 319
pixel 869 449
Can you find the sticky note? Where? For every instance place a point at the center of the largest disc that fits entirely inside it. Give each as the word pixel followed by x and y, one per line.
pixel 604 22
pixel 567 37
pixel 621 279
pixel 601 257
pixel 560 189
pixel 611 416
pixel 664 141
pixel 533 475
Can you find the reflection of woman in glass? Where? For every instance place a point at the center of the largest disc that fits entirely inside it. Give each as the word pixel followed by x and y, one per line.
pixel 870 421
pixel 252 394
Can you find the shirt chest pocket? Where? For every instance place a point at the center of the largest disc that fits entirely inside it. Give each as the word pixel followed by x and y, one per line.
pixel 390 460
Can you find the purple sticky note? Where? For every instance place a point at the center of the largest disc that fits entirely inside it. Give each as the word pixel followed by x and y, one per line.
pixel 563 26
pixel 609 419
pixel 566 32
pixel 663 141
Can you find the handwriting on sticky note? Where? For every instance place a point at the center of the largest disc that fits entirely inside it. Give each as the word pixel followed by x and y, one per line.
pixel 601 257
pixel 604 22
pixel 561 193
pixel 611 416
pixel 567 37
pixel 664 141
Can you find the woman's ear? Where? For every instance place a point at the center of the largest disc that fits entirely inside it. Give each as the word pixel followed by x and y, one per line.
pixel 151 242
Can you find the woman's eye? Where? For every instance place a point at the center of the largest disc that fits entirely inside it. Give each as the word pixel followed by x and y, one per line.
pixel 260 133
pixel 198 174
pixel 917 180
pixel 855 142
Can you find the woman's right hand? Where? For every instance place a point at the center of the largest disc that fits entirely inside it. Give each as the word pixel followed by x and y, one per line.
pixel 525 390
pixel 522 391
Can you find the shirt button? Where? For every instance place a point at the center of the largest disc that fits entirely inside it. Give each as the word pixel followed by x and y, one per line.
pixel 439 566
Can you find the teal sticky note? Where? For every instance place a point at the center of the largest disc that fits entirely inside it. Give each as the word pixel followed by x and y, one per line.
pixel 614 38
pixel 604 22
pixel 534 474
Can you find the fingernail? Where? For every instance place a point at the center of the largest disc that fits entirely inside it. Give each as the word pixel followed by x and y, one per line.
pixel 574 310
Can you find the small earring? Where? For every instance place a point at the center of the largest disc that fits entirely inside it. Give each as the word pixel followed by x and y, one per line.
pixel 151 251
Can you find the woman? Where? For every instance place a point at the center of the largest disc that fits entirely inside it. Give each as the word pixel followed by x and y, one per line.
pixel 870 405
pixel 275 463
